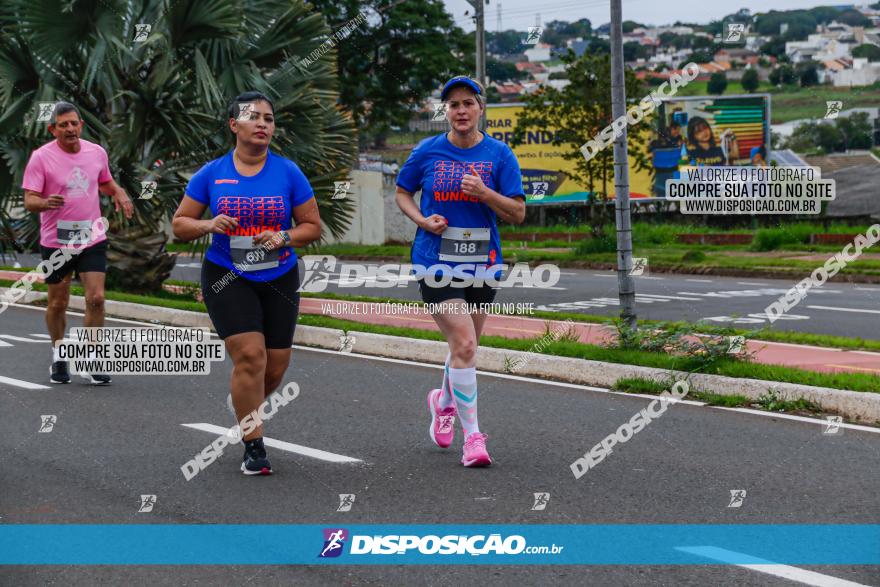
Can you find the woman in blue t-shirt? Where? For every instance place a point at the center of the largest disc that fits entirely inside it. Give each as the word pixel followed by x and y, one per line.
pixel 249 274
pixel 467 179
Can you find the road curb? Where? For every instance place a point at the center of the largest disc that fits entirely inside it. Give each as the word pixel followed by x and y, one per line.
pixel 856 406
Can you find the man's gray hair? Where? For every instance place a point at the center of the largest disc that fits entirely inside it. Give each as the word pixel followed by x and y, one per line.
pixel 63 108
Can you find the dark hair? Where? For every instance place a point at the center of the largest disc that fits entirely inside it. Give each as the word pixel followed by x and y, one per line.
pixel 692 130
pixel 252 96
pixel 674 124
pixel 63 108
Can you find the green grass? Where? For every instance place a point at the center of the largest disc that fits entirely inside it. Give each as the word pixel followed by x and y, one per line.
pixel 727 366
pixel 769 401
pixel 651 387
pixel 792 102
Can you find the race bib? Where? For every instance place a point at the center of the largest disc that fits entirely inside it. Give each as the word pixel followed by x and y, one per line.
pixel 70 231
pixel 247 257
pixel 465 245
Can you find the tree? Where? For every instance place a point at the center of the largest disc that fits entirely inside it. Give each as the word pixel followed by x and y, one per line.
pixel 501 71
pixel 389 65
pixel 506 42
pixel 872 52
pixel 697 57
pixel 774 47
pixel 856 130
pixel 717 83
pixel 578 113
pixel 784 75
pixel 165 99
pixel 633 51
pixel 750 80
pixel 853 18
pixel 631 25
pixel 809 75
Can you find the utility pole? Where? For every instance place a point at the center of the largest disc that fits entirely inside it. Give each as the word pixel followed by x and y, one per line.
pixel 480 20
pixel 625 283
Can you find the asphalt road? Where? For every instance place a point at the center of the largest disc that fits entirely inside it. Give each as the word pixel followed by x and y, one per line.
pixel 109 445
pixel 842 309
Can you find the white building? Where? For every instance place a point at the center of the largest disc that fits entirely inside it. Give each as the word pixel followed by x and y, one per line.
pixel 862 73
pixel 538 53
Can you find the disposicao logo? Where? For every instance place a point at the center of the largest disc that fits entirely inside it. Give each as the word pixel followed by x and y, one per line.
pixel 334 541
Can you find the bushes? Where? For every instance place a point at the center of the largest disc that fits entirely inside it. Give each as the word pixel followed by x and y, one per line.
pixel 770 239
pixel 606 243
pixel 693 257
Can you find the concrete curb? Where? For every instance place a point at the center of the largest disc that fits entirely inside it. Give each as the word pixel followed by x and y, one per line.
pixel 856 406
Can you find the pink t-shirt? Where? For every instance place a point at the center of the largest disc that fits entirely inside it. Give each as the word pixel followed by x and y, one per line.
pixel 76 176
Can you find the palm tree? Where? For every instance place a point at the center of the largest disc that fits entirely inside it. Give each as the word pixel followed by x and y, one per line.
pixel 156 100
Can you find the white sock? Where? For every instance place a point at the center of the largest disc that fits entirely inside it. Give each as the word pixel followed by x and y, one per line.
pixel 56 356
pixel 446 400
pixel 463 383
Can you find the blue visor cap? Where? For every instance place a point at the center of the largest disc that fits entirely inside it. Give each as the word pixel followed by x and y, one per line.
pixel 459 81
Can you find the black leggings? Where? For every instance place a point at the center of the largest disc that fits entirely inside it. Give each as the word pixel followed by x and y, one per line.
pixel 237 304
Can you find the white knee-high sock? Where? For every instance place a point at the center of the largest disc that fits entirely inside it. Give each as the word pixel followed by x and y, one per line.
pixel 446 399
pixel 464 389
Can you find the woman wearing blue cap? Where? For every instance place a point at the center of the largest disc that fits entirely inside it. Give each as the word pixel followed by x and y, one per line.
pixel 467 179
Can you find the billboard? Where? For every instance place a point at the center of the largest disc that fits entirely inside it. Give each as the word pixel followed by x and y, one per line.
pixel 546 175
pixel 694 130
pixel 701 131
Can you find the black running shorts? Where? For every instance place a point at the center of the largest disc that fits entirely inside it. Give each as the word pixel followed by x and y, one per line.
pixel 237 304
pixel 93 258
pixel 472 294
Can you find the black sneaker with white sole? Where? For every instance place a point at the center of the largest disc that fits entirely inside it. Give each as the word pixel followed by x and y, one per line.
pixel 58 372
pixel 255 461
pixel 96 378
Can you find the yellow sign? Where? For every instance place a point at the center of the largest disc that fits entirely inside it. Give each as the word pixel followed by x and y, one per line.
pixel 546 175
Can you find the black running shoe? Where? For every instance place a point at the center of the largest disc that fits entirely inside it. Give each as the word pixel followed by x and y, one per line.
pixel 96 379
pixel 58 372
pixel 255 461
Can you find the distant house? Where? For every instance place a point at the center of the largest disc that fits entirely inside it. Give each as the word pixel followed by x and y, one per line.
pixel 862 73
pixel 509 91
pixel 531 68
pixel 737 56
pixel 540 52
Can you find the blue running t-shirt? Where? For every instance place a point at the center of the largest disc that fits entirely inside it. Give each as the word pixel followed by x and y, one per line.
pixel 437 167
pixel 261 202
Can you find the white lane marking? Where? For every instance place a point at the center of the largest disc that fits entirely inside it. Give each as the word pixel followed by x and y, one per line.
pixel 768 567
pixel 604 274
pixel 648 277
pixel 591 388
pixel 280 444
pixel 19 339
pixel 752 283
pixel 39 335
pixel 670 297
pixel 527 379
pixel 20 383
pixel 189 265
pixel 859 310
pixel 700 280
pixel 867 288
pixel 801 418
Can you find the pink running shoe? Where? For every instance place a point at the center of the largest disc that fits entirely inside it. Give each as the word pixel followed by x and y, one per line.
pixel 475 454
pixel 442 428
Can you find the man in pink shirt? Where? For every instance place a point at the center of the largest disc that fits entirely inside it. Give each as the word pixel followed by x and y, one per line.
pixel 61 182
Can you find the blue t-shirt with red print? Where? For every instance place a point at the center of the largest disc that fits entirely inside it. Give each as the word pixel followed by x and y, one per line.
pixel 264 201
pixel 437 167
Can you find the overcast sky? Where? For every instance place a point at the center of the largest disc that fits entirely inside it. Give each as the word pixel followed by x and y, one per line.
pixel 520 14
